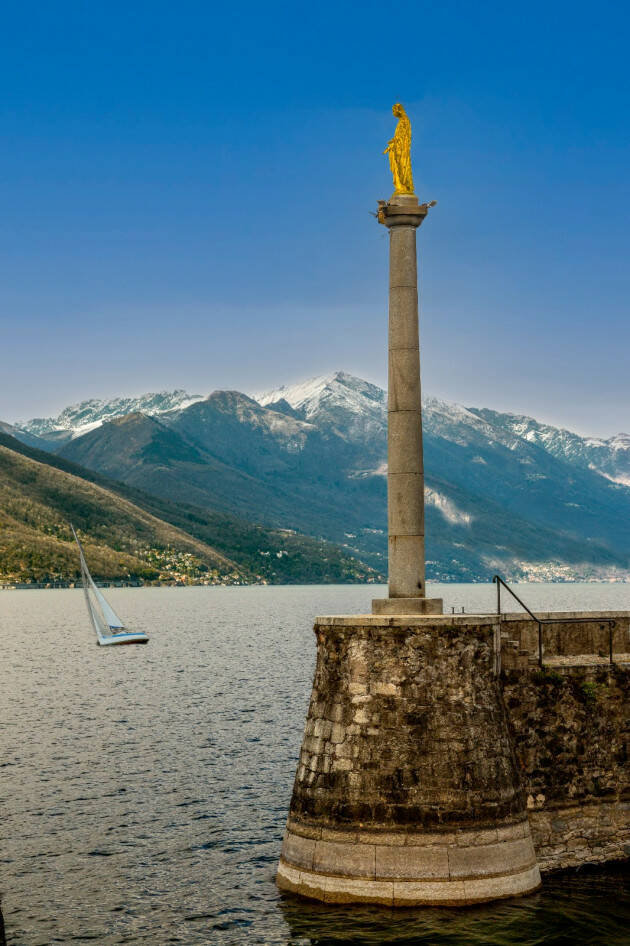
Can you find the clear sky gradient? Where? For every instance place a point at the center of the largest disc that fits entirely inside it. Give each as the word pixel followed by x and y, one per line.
pixel 185 197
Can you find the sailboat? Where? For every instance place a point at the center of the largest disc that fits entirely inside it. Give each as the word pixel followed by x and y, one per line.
pixel 108 626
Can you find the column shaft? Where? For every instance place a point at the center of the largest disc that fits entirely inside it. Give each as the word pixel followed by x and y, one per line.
pixel 405 479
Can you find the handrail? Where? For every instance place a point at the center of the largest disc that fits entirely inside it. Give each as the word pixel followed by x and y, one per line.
pixel 498 581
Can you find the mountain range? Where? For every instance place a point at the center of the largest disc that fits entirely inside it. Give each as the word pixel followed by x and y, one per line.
pixel 504 492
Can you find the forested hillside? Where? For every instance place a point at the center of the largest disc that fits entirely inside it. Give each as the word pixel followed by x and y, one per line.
pixel 129 535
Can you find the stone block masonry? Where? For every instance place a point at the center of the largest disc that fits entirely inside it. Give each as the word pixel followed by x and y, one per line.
pixel 571 730
pixel 429 776
pixel 407 789
pixel 570 722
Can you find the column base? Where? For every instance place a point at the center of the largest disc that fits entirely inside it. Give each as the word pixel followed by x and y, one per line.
pixel 407 606
pixel 449 869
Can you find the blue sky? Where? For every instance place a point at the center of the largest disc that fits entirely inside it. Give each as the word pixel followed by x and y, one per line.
pixel 185 197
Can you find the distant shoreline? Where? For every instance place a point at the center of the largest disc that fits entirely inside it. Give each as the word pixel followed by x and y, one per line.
pixel 60 586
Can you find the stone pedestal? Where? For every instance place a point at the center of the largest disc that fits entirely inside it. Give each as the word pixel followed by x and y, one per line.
pixel 407 790
pixel 407 606
pixel 402 215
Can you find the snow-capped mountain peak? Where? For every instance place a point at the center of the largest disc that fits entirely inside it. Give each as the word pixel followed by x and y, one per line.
pixel 347 406
pixel 620 441
pixel 345 391
pixel 339 387
pixel 610 457
pixel 296 395
pixel 78 419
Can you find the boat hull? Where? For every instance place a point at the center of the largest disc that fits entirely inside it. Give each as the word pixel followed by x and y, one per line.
pixel 123 639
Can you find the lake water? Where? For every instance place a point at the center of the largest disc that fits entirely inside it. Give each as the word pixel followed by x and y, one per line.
pixel 144 790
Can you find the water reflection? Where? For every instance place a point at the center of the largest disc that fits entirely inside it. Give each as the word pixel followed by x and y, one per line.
pixel 591 909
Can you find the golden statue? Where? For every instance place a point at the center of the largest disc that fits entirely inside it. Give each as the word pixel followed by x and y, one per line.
pixel 399 151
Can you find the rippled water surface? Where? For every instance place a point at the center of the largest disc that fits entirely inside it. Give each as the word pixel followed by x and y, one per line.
pixel 143 790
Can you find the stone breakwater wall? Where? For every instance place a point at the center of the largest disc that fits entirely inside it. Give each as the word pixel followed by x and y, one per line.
pixel 570 721
pixel 571 730
pixel 429 775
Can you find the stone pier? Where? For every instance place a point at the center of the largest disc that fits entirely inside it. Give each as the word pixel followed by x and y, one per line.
pixel 442 765
pixel 407 790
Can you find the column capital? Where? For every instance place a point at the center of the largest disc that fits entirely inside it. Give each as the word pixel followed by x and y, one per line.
pixel 403 210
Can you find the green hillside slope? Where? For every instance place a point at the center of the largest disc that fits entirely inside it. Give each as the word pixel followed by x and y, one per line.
pixel 130 535
pixel 37 502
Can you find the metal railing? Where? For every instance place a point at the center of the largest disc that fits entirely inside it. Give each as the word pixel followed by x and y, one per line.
pixel 499 582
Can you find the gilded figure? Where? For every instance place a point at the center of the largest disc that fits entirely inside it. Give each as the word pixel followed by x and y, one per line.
pixel 399 151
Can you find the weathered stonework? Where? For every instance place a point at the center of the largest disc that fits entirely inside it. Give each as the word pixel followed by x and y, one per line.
pixel 571 729
pixel 588 640
pixel 429 774
pixel 407 789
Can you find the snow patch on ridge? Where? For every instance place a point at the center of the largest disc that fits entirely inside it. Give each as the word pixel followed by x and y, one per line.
pixel 447 507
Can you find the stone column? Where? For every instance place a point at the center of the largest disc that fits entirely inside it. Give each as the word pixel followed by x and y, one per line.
pixel 407 790
pixel 402 215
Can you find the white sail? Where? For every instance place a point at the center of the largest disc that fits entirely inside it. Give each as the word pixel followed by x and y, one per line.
pixel 98 620
pixel 109 614
pixel 106 623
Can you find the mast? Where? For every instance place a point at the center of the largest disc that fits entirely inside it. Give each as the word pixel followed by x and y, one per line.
pixel 85 580
pixel 111 621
